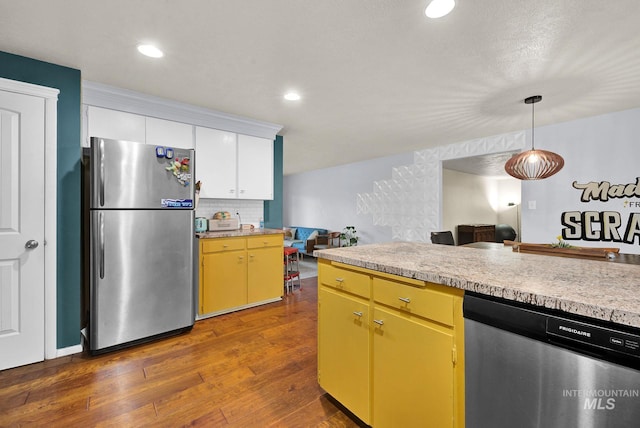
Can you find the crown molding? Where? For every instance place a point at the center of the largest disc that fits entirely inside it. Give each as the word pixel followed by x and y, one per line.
pixel 28 89
pixel 111 97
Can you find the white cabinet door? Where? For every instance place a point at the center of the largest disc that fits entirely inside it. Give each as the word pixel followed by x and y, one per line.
pixel 114 124
pixel 255 168
pixel 168 133
pixel 216 159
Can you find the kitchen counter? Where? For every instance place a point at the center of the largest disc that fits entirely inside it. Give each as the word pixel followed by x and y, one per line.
pixel 596 289
pixel 238 232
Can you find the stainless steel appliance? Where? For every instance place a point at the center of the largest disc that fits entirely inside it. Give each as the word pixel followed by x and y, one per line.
pixel 530 367
pixel 138 237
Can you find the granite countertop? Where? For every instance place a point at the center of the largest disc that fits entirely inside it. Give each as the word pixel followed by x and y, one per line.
pixel 597 289
pixel 238 232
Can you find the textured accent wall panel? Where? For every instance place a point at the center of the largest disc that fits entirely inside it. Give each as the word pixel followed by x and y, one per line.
pixel 410 202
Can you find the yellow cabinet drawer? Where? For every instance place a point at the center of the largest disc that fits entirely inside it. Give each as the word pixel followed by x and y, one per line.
pixel 265 241
pixel 219 244
pixel 344 279
pixel 420 301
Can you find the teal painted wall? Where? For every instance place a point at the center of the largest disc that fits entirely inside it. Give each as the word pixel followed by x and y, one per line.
pixel 273 209
pixel 67 80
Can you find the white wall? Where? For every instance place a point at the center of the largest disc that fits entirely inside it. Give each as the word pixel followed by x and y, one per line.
pixel 601 148
pixel 327 198
pixel 467 199
pixel 473 199
pixel 509 192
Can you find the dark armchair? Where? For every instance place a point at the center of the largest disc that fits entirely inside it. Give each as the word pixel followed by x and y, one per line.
pixel 445 238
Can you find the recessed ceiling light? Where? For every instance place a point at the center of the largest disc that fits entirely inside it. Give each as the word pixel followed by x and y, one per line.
pixel 439 8
pixel 151 51
pixel 292 96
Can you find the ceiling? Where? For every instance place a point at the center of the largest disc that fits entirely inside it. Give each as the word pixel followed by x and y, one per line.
pixel 491 165
pixel 377 77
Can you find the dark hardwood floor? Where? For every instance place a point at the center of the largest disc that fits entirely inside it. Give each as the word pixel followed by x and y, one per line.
pixel 253 368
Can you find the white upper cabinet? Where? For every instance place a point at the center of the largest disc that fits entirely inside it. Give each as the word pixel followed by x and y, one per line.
pixel 255 168
pixel 230 165
pixel 168 133
pixel 216 159
pixel 114 124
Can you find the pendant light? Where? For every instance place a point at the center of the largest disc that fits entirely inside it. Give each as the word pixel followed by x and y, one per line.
pixel 534 164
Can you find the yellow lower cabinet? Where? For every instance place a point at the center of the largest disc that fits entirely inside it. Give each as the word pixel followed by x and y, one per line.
pixel 265 267
pixel 413 382
pixel 239 272
pixel 224 276
pixel 401 362
pixel 343 350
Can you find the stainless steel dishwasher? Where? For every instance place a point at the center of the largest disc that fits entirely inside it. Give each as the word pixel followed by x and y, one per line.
pixel 531 367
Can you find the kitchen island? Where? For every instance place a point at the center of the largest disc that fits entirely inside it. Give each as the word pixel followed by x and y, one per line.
pixel 596 289
pixel 239 269
pixel 397 308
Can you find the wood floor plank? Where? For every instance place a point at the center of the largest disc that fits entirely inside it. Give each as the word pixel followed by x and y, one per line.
pixel 252 368
pixel 319 412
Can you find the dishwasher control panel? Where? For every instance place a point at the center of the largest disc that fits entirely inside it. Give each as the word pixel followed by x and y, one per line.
pixel 593 335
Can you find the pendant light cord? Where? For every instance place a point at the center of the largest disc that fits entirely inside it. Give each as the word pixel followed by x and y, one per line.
pixel 533 113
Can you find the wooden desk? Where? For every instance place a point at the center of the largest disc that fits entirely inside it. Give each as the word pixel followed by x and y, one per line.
pixel 468 233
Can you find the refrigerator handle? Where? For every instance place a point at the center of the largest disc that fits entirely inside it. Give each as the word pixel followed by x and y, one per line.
pixel 101 178
pixel 101 243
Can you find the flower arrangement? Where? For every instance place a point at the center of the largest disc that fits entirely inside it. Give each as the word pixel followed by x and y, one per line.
pixel 560 243
pixel 349 237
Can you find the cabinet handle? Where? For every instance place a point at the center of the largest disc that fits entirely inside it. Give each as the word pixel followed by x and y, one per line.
pixel 101 176
pixel 379 322
pixel 358 314
pixel 232 190
pixel 241 190
pixel 339 279
pixel 225 246
pixel 240 257
pixel 404 299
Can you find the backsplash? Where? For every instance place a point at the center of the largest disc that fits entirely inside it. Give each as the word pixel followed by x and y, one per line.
pixel 251 211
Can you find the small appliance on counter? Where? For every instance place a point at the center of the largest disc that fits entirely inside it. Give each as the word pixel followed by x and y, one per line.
pixel 222 221
pixel 221 225
pixel 201 225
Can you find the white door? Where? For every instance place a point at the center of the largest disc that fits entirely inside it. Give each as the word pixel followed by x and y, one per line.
pixel 114 124
pixel 216 163
pixel 168 133
pixel 255 168
pixel 22 164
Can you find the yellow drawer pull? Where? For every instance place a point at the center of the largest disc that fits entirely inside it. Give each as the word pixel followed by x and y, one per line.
pixel 379 322
pixel 339 279
pixel 225 246
pixel 405 299
pixel 357 313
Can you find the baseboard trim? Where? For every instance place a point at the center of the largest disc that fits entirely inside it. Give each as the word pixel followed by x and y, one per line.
pixel 63 352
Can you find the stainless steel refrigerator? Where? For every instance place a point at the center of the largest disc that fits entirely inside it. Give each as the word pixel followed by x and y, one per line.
pixel 138 233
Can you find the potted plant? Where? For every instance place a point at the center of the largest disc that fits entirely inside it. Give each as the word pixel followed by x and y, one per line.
pixel 348 237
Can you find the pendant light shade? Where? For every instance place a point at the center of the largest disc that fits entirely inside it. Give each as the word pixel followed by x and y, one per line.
pixel 534 164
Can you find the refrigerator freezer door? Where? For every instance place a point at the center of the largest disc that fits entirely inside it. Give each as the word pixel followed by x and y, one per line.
pixel 142 279
pixel 128 175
